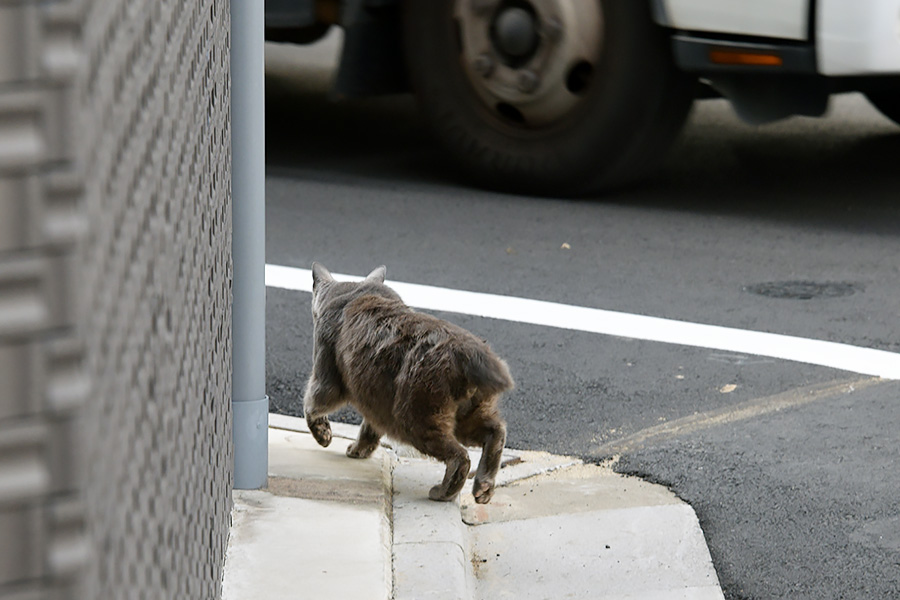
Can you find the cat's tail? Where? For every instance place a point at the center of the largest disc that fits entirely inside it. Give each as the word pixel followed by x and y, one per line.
pixel 488 372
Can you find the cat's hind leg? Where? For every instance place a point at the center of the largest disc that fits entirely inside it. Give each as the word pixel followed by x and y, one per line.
pixel 366 443
pixel 446 449
pixel 438 441
pixel 493 434
pixel 483 427
pixel 426 419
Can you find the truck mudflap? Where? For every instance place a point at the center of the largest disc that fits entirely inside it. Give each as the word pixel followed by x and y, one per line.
pixel 372 60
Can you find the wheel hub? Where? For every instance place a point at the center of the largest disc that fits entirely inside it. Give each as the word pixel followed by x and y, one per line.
pixel 515 35
pixel 529 61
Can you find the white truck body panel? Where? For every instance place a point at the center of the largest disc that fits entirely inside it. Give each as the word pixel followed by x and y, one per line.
pixel 858 37
pixel 786 19
pixel 853 37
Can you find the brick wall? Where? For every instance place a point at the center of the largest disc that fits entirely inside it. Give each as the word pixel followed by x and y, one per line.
pixel 115 303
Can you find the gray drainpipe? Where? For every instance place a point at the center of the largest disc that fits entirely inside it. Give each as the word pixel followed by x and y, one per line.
pixel 248 187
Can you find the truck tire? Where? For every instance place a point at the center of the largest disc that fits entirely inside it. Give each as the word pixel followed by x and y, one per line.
pixel 887 102
pixel 547 97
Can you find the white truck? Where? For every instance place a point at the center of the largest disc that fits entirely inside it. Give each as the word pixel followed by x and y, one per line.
pixel 568 97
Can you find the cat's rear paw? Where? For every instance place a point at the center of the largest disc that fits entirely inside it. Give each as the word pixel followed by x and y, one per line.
pixel 482 490
pixel 321 431
pixel 354 450
pixel 438 494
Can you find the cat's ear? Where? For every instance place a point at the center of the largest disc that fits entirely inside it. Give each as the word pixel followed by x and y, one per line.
pixel 320 274
pixel 377 276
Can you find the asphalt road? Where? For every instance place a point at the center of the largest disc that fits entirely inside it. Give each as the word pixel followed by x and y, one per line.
pixel 792 474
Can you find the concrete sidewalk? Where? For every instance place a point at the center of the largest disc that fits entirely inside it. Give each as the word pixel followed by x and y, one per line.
pixel 333 527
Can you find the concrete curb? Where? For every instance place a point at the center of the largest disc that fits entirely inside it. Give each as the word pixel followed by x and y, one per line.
pixel 601 532
pixel 294 534
pixel 427 549
pixel 431 551
pixel 343 431
pixel 430 554
pixel 652 545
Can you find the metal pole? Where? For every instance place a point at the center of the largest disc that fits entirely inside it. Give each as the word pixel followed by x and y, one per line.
pixel 248 184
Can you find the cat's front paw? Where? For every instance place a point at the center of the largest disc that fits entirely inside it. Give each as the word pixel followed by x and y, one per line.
pixel 482 490
pixel 321 431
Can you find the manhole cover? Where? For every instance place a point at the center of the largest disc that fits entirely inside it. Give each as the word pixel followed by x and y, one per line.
pixel 804 290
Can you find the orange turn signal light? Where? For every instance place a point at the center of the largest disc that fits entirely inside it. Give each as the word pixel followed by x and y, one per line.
pixel 727 56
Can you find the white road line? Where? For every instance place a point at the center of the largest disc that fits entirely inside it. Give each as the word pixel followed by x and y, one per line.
pixel 866 361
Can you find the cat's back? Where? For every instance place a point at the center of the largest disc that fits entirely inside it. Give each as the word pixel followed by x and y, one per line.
pixel 376 328
pixel 374 311
pixel 382 334
pixel 389 319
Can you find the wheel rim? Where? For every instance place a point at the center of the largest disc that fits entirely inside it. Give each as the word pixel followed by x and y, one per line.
pixel 530 62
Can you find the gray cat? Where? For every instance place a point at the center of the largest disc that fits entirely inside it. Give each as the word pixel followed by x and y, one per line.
pixel 413 377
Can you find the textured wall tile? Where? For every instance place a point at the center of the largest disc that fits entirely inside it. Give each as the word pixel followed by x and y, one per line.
pixel 39 40
pixel 33 294
pixel 158 276
pixel 24 462
pixel 22 542
pixel 20 42
pixel 32 127
pixel 115 298
pixel 18 392
pixel 40 212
